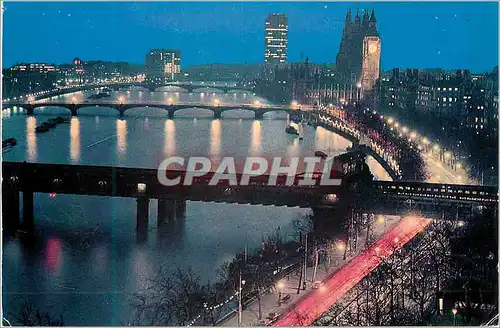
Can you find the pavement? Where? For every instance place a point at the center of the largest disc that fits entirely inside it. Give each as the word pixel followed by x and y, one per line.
pixel 442 173
pixel 269 302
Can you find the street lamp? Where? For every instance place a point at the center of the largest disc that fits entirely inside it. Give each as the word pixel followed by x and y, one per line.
pixel 381 219
pixel 242 283
pixel 454 311
pixel 121 99
pixel 340 245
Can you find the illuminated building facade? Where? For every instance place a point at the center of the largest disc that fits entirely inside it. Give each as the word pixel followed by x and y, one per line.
pixel 349 61
pixel 276 38
pixel 162 65
pixel 26 78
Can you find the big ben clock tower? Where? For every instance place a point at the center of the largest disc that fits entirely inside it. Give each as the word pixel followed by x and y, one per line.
pixel 371 62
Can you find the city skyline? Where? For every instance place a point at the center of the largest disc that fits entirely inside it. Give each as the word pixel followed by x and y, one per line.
pixel 469 31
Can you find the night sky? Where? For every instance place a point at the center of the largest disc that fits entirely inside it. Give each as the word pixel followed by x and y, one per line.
pixel 422 35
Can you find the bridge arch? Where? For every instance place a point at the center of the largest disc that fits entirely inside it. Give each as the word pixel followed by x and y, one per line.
pixel 101 110
pixel 194 112
pixel 237 113
pixel 207 89
pixel 171 88
pixel 154 111
pixel 276 114
pixel 51 110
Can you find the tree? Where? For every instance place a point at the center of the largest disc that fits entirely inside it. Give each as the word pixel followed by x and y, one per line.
pixel 261 281
pixel 29 316
pixel 170 299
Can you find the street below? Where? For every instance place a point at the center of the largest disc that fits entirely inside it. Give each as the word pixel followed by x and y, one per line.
pixel 318 301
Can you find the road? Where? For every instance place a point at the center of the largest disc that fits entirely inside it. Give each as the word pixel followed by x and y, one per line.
pixel 318 301
pixel 441 173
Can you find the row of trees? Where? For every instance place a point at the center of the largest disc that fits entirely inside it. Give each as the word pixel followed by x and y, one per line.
pixel 181 298
pixel 452 260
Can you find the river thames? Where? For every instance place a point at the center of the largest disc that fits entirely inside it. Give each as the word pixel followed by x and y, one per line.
pixel 85 258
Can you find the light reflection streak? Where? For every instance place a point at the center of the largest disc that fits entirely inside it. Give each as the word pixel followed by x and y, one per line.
pixel 215 139
pixel 121 134
pixel 31 138
pixel 170 142
pixel 256 137
pixel 74 133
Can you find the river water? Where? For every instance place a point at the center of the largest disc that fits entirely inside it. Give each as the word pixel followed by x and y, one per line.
pixel 85 262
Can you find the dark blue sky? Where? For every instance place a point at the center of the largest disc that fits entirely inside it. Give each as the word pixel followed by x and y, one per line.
pixel 424 35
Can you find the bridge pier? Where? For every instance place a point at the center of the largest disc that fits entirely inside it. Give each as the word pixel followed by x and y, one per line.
pixel 217 114
pixel 259 115
pixel 166 211
pixel 10 208
pixel 329 220
pixel 180 209
pixel 142 218
pixel 30 110
pixel 171 114
pixel 28 213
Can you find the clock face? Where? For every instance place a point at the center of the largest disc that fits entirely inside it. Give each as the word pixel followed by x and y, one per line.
pixel 372 48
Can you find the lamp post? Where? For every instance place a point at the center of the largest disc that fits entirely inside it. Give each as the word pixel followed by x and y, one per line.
pixel 242 283
pixel 454 311
pixel 341 246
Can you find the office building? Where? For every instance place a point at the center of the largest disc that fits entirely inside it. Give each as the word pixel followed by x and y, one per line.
pixel 276 38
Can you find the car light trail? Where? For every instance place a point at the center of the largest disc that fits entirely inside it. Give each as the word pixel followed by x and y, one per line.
pixel 317 302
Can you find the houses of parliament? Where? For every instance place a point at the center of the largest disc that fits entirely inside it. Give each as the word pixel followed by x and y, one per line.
pixel 358 59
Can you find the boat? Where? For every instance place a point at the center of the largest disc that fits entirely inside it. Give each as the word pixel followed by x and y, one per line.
pixel 291 130
pixel 42 128
pixel 8 143
pixel 320 153
pixel 50 124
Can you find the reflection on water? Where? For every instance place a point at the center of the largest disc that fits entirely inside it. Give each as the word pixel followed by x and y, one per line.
pixel 293 148
pixel 86 259
pixel 74 133
pixel 121 135
pixel 31 138
pixel 329 142
pixel 215 140
pixel 169 138
pixel 256 138
pixel 53 254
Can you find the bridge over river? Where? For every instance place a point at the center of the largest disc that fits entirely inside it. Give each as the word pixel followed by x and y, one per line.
pixel 143 184
pixel 121 106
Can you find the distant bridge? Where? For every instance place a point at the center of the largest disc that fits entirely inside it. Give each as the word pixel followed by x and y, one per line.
pixel 121 107
pixel 189 86
pixel 186 86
